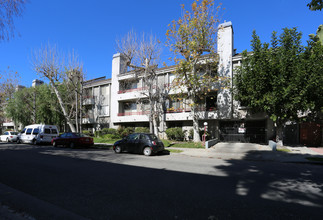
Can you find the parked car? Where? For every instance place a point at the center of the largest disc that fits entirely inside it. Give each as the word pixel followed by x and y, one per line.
pixel 37 134
pixel 143 143
pixel 9 136
pixel 72 140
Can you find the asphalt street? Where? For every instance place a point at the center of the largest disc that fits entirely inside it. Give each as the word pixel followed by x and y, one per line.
pixel 63 183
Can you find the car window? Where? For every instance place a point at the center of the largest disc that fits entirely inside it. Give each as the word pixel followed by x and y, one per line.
pixel 29 130
pixel 14 133
pixel 69 135
pixel 54 131
pixel 144 137
pixel 47 131
pixel 152 137
pixel 6 133
pixel 133 137
pixel 36 131
pixel 23 131
pixel 63 135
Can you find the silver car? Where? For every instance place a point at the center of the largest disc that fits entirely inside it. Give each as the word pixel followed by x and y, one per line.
pixel 9 136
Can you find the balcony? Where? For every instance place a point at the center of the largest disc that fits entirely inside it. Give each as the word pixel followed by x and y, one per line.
pixel 133 113
pixel 88 100
pixel 88 119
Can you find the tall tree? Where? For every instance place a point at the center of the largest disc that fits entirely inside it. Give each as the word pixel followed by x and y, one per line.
pixel 8 82
pixel 37 103
pixel 58 69
pixel 192 39
pixel 315 5
pixel 8 10
pixel 142 56
pixel 271 79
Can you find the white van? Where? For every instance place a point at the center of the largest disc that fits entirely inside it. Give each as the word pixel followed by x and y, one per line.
pixel 37 134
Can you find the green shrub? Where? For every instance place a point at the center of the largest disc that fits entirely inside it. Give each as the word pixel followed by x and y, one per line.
pixel 142 130
pixel 112 131
pixel 98 133
pixel 122 132
pixel 175 134
pixel 111 136
pixel 87 132
pixel 191 134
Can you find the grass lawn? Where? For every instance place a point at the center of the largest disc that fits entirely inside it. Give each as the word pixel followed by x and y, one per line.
pixel 284 150
pixel 103 140
pixel 175 151
pixel 168 143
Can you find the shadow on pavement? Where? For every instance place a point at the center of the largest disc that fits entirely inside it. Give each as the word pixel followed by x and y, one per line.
pixel 108 190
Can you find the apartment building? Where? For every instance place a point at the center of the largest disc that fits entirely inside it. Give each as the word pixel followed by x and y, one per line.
pixel 120 101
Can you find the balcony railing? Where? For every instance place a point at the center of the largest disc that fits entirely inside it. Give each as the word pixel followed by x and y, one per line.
pixel 200 109
pixel 88 100
pixel 140 89
pixel 133 113
pixel 183 110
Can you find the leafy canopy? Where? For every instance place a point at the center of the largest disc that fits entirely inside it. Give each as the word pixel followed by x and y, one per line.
pixel 283 80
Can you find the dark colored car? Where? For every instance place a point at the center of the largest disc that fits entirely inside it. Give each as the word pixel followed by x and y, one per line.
pixel 72 140
pixel 142 143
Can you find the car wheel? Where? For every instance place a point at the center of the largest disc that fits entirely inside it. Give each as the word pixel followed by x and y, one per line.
pixel 18 141
pixel 7 140
pixel 34 142
pixel 72 145
pixel 147 151
pixel 117 149
pixel 54 144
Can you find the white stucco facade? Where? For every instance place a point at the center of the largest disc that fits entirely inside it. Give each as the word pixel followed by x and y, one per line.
pixel 126 89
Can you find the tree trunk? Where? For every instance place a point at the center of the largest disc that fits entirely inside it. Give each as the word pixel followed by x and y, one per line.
pixel 196 136
pixel 279 133
pixel 60 101
pixel 155 124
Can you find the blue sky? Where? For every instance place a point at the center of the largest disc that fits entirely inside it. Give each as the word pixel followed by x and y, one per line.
pixel 90 27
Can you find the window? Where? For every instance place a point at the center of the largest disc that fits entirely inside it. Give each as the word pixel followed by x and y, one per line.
pixel 6 133
pixel 36 131
pixel 171 78
pixel 104 110
pixel 133 137
pixel 54 131
pixel 23 131
pixel 211 102
pixel 69 135
pixel 63 135
pixel 130 106
pixel 47 131
pixel 29 130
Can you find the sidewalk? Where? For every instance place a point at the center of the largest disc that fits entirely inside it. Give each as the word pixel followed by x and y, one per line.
pixel 248 151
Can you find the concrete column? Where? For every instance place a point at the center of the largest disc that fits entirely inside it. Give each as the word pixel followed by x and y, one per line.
pixel 118 67
pixel 225 51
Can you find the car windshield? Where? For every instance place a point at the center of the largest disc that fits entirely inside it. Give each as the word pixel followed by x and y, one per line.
pixel 14 133
pixel 80 135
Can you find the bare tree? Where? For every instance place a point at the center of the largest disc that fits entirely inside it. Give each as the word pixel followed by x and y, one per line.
pixel 8 10
pixel 61 71
pixel 8 82
pixel 142 57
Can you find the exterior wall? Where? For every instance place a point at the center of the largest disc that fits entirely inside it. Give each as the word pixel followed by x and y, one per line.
pixel 225 51
pixel 226 108
pixel 96 103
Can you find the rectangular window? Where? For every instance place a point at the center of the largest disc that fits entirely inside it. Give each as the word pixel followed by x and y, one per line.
pixel 47 131
pixel 29 130
pixel 36 131
pixel 54 131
